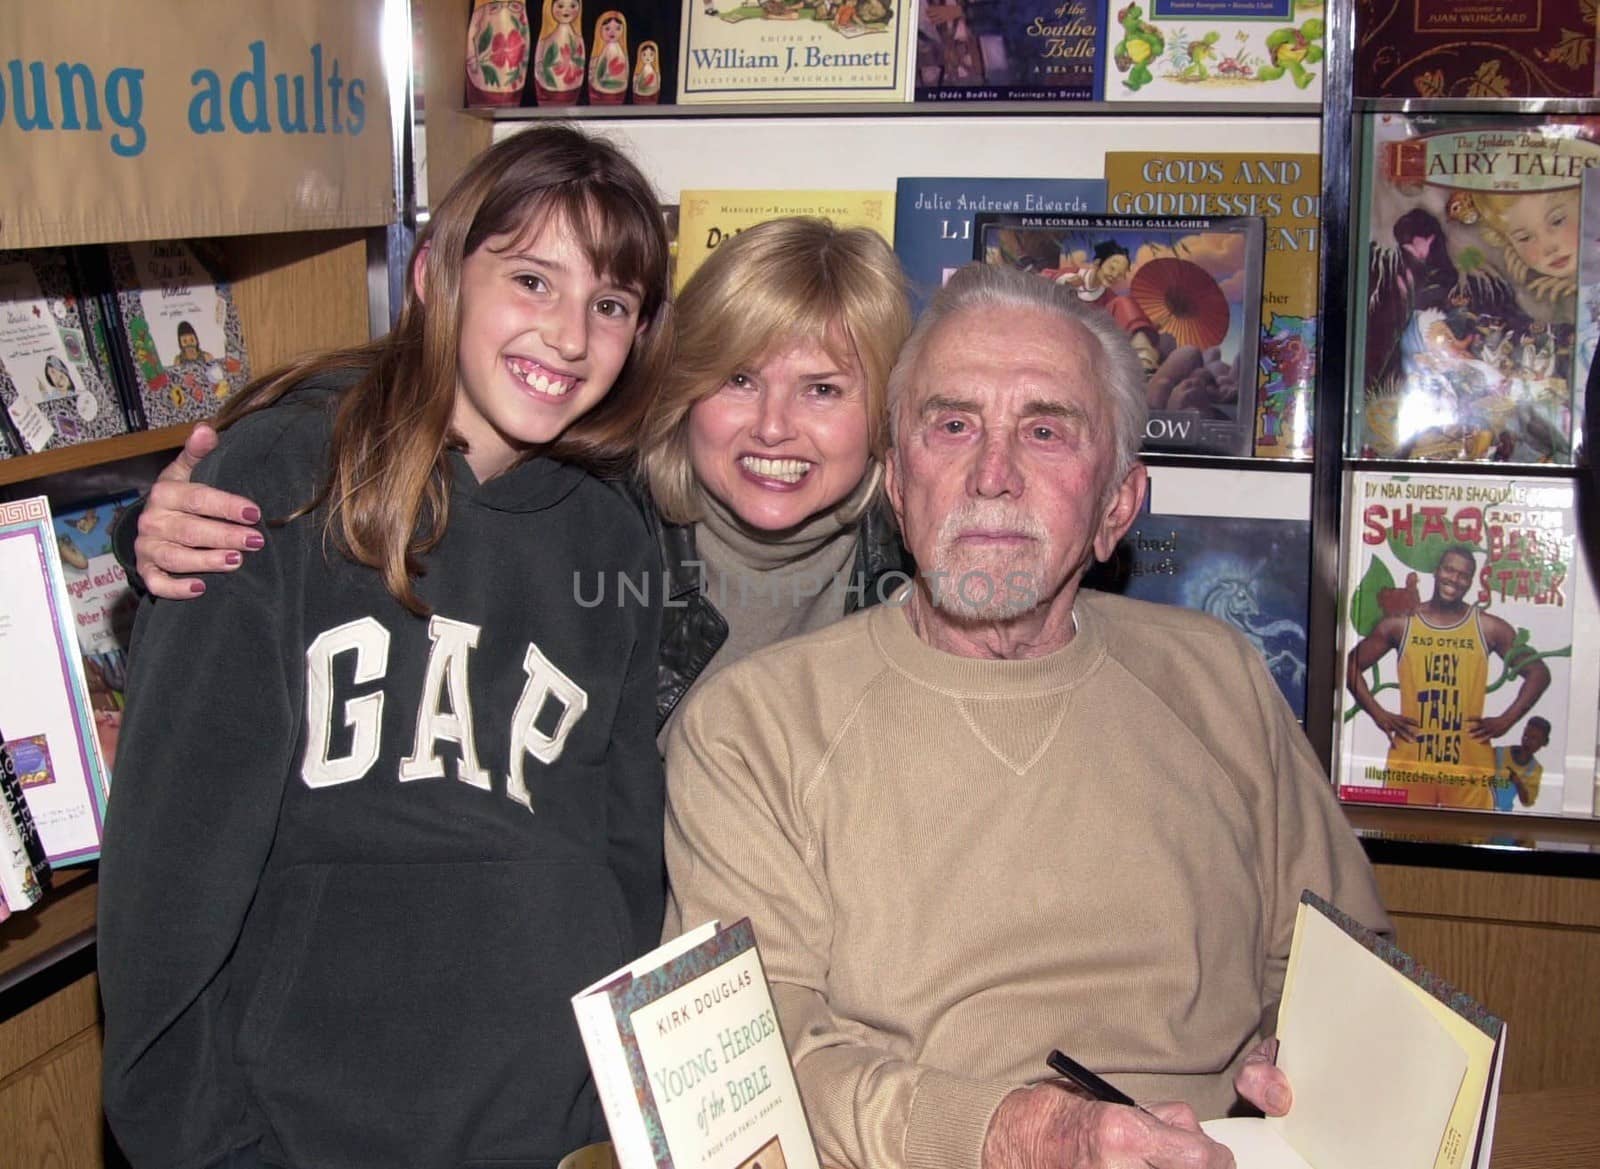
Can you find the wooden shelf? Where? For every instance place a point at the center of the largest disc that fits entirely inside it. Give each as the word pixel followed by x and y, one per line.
pixel 1488 841
pixel 89 454
pixel 58 926
pixel 800 109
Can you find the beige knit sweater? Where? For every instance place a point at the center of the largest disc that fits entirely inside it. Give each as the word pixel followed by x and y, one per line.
pixel 954 865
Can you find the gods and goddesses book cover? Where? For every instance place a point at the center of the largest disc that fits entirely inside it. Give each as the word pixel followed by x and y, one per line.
pixel 1185 289
pixel 1285 189
pixel 1467 296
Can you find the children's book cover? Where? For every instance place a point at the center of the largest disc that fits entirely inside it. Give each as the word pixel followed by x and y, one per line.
pixel 1475 48
pixel 933 219
pixel 1467 300
pixel 1215 51
pixel 1008 50
pixel 689 1060
pixel 103 602
pixel 1232 544
pixel 568 53
pixel 1185 289
pixel 1286 190
pixel 1458 631
pixel 706 218
pixel 179 330
pixel 45 713
pixel 54 391
pixel 797 50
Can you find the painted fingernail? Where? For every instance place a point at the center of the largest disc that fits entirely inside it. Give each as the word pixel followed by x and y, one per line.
pixel 251 515
pixel 234 557
pixel 197 587
pixel 255 540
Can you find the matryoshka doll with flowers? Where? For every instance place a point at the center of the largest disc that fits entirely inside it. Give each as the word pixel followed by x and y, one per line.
pixel 497 52
pixel 608 60
pixel 559 57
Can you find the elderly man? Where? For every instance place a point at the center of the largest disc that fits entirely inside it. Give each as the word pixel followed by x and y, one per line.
pixel 1009 815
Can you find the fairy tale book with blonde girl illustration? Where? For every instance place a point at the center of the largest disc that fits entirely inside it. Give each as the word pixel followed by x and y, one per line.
pixel 1467 305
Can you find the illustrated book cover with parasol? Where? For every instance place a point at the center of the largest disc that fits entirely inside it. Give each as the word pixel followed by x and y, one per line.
pixel 1187 291
pixel 1286 190
pixel 1468 297
pixel 1466 614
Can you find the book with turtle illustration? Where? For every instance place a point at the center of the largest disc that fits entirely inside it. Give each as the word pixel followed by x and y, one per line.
pixel 1185 289
pixel 1464 601
pixel 1467 295
pixel 1215 51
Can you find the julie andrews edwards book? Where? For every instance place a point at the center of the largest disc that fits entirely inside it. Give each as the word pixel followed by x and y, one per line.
pixel 689 1061
pixel 933 219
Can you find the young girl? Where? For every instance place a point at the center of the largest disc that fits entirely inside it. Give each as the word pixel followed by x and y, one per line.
pixel 388 800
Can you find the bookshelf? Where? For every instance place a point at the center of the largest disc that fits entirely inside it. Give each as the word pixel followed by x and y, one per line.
pixel 300 287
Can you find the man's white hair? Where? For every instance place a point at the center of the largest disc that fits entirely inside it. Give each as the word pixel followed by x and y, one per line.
pixel 996 286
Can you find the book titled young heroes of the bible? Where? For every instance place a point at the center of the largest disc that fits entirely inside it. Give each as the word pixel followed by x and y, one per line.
pixel 689 1060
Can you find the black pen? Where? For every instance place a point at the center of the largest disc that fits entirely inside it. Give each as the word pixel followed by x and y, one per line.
pixel 1070 1069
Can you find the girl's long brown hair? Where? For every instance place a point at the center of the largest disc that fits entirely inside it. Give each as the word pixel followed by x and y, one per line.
pixel 388 477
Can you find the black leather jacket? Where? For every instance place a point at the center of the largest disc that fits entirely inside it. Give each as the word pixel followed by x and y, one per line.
pixel 692 630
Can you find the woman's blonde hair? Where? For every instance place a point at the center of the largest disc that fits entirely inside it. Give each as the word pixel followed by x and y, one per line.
pixel 783 281
pixel 387 484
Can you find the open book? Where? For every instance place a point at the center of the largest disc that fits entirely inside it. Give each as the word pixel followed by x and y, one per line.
pixel 689 1061
pixel 1391 1067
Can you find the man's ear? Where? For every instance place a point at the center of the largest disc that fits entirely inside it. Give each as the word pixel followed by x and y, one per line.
pixel 417 267
pixel 1124 506
pixel 892 485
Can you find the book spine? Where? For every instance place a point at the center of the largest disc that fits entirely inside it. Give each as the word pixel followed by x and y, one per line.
pixel 16 803
pixel 613 1083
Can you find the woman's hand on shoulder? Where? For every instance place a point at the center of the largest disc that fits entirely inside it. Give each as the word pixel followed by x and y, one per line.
pixel 188 527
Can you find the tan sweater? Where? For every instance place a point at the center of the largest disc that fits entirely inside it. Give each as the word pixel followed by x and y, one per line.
pixel 954 865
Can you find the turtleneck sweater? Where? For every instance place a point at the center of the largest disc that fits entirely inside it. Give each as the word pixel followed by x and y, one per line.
pixel 774 585
pixel 954 864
